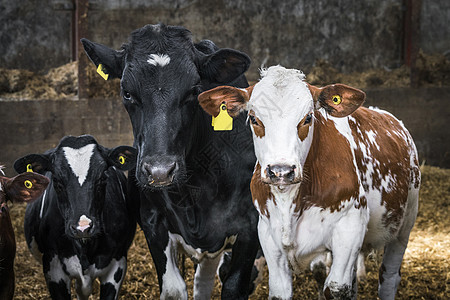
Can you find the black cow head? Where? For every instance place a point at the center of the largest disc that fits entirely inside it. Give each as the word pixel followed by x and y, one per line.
pixel 79 169
pixel 162 72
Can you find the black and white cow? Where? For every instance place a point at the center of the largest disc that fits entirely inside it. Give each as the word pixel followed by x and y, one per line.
pixel 83 225
pixel 194 182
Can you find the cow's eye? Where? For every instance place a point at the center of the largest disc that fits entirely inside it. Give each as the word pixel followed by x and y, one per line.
pixel 253 119
pixel 308 119
pixel 126 95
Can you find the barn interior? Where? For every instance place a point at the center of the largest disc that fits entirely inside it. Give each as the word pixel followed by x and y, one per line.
pixel 397 51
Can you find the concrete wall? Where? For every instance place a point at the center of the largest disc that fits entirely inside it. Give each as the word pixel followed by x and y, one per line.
pixel 35 126
pixel 351 34
pixel 34 35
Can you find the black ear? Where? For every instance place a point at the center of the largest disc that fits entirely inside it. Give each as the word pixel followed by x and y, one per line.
pixel 112 60
pixel 206 47
pixel 39 163
pixel 224 66
pixel 123 157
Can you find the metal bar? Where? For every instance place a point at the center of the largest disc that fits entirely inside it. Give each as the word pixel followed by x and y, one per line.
pixel 82 28
pixel 412 37
pixel 415 41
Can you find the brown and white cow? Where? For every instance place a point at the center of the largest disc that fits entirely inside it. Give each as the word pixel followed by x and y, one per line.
pixel 331 177
pixel 24 187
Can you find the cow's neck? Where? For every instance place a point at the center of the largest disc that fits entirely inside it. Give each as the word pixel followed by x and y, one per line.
pixel 329 172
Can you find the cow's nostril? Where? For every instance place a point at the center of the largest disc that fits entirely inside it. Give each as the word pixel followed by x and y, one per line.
pixel 171 169
pixel 160 174
pixel 147 168
pixel 290 175
pixel 270 173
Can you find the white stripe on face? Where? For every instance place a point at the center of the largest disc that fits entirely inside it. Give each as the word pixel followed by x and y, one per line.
pixel 79 160
pixel 158 59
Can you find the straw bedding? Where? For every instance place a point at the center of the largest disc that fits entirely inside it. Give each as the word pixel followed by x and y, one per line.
pixel 425 269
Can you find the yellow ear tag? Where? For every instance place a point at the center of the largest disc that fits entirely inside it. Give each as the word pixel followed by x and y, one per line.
pixel 28 184
pixel 29 169
pixel 337 100
pixel 102 71
pixel 223 121
pixel 121 160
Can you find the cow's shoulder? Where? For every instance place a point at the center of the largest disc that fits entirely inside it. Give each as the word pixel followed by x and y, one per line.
pixel 330 175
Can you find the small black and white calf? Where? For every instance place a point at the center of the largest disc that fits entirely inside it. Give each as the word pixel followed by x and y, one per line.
pixel 83 224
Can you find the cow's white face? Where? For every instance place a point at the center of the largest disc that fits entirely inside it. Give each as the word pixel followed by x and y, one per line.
pixel 280 113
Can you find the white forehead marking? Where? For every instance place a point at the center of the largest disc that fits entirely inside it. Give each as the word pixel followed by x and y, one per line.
pixel 79 160
pixel 281 94
pixel 158 59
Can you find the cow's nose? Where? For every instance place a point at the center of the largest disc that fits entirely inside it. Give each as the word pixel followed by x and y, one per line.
pixel 82 233
pixel 159 174
pixel 281 174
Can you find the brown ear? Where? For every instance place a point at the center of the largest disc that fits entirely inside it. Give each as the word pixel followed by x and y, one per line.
pixel 234 98
pixel 339 100
pixel 26 187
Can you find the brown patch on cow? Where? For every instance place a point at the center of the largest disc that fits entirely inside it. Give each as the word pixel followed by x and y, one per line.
pixel 17 190
pixel 259 128
pixel 260 191
pixel 303 129
pixel 7 247
pixel 392 159
pixel 315 91
pixel 351 98
pixel 234 98
pixel 329 173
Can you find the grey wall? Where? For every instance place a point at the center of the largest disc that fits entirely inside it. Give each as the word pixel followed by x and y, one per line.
pixel 351 34
pixel 34 35
pixel 435 26
pixel 35 126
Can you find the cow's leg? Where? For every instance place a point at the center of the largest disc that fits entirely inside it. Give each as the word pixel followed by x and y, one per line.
pixel 163 251
pixel 164 254
pixel 389 276
pixel 280 275
pixel 204 278
pixel 58 282
pixel 320 267
pixel 236 283
pixel 83 288
pixel 257 271
pixel 361 268
pixel 346 242
pixel 111 280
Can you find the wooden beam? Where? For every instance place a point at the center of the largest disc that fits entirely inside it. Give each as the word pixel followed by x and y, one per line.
pixel 82 30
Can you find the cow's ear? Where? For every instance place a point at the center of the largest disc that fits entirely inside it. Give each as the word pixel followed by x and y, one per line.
pixel 26 187
pixel 339 100
pixel 224 66
pixel 112 60
pixel 123 157
pixel 235 100
pixel 39 163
